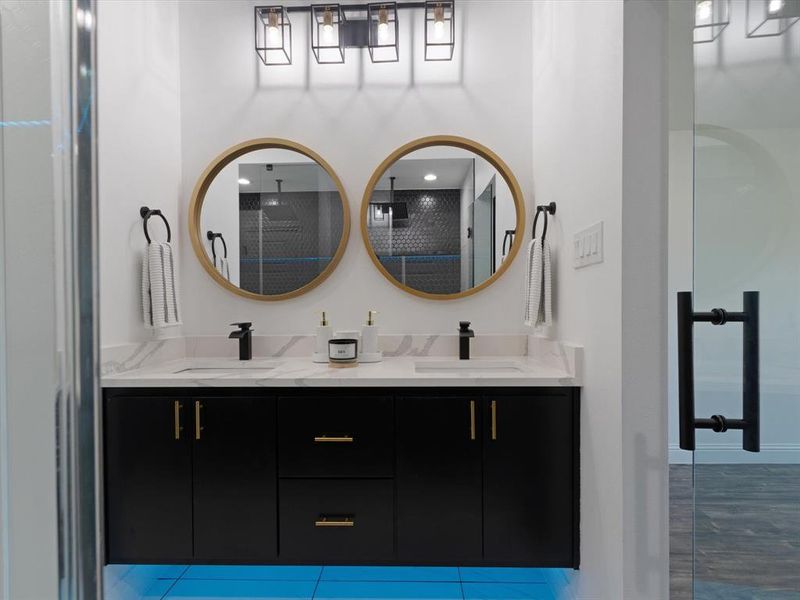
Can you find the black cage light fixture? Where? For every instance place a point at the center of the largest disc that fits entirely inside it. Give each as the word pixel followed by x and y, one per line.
pixel 710 18
pixel 327 39
pixel 374 26
pixel 383 32
pixel 769 18
pixel 440 30
pixel 273 35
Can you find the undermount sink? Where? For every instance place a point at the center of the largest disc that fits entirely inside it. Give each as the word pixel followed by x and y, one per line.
pixel 223 367
pixel 469 366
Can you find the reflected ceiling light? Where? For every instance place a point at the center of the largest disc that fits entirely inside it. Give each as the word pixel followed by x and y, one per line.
pixel 703 11
pixel 710 18
pixel 243 181
pixel 273 35
pixel 768 18
pixel 382 30
pixel 774 6
pixel 430 177
pixel 440 30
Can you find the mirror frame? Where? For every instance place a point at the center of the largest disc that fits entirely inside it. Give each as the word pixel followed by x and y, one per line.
pixel 199 194
pixel 464 144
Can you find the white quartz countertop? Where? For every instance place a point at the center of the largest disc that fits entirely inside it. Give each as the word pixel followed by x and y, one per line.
pixel 402 371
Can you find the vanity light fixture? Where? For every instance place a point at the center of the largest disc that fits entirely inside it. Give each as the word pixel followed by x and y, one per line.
pixel 769 18
pixel 243 181
pixel 327 39
pixel 382 32
pixel 430 177
pixel 273 35
pixel 374 26
pixel 440 30
pixel 710 18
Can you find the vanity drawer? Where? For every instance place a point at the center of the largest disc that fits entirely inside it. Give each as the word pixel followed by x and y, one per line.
pixel 337 520
pixel 336 437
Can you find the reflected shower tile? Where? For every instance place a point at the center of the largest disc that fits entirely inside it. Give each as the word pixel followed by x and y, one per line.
pixel 390 574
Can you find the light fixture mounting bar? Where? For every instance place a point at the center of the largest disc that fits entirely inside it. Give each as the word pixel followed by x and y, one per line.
pixel 350 8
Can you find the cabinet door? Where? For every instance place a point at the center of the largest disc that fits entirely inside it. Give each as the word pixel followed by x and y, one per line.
pixel 529 480
pixel 235 487
pixel 148 479
pixel 438 479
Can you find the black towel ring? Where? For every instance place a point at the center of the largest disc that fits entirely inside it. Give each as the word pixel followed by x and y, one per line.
pixel 213 238
pixel 146 213
pixel 546 209
pixel 509 236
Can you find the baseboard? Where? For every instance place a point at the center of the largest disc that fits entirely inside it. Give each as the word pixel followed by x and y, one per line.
pixel 733 454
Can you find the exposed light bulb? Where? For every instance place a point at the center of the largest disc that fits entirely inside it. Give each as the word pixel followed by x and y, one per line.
pixel 273 31
pixel 383 26
pixel 430 177
pixel 704 9
pixel 774 6
pixel 327 26
pixel 243 181
pixel 438 22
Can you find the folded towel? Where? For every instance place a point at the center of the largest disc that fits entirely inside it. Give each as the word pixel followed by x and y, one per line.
pixel 160 305
pixel 538 285
pixel 221 264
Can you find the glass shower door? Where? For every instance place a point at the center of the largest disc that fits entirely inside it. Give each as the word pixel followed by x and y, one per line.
pixel 746 231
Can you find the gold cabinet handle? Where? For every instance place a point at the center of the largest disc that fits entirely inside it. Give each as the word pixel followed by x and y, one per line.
pixel 197 427
pixel 494 419
pixel 337 522
pixel 472 419
pixel 178 426
pixel 341 439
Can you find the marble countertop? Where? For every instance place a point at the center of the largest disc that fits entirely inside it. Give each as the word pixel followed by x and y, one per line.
pixel 401 371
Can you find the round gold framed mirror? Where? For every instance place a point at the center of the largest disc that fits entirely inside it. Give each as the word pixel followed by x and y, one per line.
pixel 442 217
pixel 269 219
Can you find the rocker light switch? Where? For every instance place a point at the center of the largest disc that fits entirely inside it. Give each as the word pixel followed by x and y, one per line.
pixel 588 246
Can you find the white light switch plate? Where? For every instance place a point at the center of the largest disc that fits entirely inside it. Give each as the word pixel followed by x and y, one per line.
pixel 588 246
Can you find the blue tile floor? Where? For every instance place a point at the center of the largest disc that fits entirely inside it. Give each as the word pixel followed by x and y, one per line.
pixel 168 582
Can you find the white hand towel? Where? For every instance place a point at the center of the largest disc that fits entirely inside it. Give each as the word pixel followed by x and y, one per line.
pixel 160 305
pixel 538 282
pixel 221 264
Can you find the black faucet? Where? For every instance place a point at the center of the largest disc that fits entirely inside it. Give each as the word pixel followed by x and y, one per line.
pixel 245 336
pixel 464 333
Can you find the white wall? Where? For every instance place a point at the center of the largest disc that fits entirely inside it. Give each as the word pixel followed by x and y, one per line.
pixel 28 529
pixel 577 162
pixel 599 152
pixel 354 115
pixel 139 152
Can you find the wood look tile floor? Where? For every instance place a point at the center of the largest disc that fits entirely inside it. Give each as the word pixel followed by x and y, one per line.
pixel 748 532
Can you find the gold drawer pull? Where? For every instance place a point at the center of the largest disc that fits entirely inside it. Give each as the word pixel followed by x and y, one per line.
pixel 338 522
pixel 178 426
pixel 197 426
pixel 472 419
pixel 342 439
pixel 494 419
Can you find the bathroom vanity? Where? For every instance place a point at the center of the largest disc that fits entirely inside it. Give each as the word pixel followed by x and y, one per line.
pixel 403 462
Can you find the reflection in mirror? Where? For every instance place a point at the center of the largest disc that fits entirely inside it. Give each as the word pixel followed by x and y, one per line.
pixel 272 221
pixel 441 220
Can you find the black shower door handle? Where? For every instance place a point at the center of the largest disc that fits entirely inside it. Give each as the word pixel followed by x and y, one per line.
pixel 750 421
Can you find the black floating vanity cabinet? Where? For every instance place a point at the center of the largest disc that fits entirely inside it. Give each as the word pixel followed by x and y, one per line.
pixel 451 476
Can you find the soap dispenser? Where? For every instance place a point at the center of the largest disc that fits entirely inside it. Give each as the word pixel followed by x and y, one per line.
pixel 369 341
pixel 324 334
